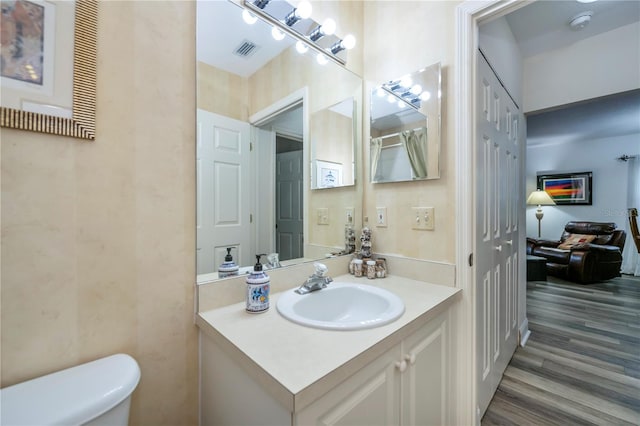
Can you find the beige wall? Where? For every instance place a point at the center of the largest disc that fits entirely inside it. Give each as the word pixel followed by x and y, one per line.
pixel 391 54
pixel 98 238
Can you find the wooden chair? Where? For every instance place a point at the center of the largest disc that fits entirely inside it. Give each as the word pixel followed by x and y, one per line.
pixel 633 224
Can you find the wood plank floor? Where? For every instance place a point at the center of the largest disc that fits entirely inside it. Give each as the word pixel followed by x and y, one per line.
pixel 581 365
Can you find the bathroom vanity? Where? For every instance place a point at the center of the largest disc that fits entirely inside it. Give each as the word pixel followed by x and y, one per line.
pixel 263 369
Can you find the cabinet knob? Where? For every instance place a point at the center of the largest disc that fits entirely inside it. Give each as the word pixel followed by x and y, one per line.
pixel 401 365
pixel 498 248
pixel 509 242
pixel 410 358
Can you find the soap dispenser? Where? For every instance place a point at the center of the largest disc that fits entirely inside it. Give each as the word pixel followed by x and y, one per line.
pixel 229 268
pixel 258 287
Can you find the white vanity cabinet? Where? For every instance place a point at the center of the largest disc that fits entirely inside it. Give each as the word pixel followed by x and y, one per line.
pixel 405 386
pixel 266 370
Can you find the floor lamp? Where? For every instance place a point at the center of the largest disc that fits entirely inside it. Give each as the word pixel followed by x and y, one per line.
pixel 540 198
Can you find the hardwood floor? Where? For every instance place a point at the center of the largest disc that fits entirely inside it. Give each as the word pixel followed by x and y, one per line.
pixel 581 365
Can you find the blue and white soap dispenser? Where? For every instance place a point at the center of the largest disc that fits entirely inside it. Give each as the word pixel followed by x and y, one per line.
pixel 258 287
pixel 228 268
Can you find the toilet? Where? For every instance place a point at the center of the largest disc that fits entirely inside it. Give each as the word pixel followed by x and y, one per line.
pixel 95 393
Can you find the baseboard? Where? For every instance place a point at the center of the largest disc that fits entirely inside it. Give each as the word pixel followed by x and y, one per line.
pixel 524 332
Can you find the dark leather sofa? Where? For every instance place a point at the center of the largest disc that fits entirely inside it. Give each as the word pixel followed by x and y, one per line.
pixel 586 252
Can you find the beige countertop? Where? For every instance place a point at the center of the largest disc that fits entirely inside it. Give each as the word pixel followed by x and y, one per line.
pixel 298 364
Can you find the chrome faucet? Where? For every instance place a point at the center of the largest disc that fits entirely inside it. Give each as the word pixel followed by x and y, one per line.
pixel 317 281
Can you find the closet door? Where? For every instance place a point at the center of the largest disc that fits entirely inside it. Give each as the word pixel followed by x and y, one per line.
pixel 497 198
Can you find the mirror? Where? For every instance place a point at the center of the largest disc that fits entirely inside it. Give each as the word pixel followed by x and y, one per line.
pixel 405 127
pixel 47 86
pixel 333 147
pixel 264 108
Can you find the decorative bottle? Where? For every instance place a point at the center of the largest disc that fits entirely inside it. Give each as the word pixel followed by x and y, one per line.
pixel 258 287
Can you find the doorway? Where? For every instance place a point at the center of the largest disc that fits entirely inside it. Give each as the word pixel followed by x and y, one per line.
pixel 280 178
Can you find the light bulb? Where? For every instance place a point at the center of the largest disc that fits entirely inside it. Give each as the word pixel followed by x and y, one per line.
pixel 380 92
pixel 303 11
pixel 248 17
pixel 406 81
pixel 425 96
pixel 416 89
pixel 349 42
pixel 391 99
pixel 328 26
pixel 301 47
pixel 401 104
pixel 277 34
pixel 322 59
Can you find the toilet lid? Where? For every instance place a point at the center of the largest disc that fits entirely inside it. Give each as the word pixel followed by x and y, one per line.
pixel 72 396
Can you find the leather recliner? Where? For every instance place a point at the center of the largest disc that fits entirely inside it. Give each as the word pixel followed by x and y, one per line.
pixel 587 252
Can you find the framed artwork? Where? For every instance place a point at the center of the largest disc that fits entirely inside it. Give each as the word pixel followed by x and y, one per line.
pixel 568 188
pixel 48 66
pixel 328 174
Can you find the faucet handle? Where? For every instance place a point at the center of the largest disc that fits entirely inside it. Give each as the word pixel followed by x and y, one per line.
pixel 321 269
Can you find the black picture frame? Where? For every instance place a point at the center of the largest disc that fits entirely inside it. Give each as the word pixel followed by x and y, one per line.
pixel 568 188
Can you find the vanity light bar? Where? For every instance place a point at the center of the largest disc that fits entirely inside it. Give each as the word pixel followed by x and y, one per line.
pixel 402 95
pixel 255 8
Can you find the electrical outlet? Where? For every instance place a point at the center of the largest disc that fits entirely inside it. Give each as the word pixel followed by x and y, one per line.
pixel 349 215
pixel 423 218
pixel 381 217
pixel 323 216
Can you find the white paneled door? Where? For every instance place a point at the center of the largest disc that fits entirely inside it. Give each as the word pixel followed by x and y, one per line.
pixel 289 207
pixel 224 193
pixel 498 152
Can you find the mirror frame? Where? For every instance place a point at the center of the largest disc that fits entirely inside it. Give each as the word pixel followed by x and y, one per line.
pixel 83 123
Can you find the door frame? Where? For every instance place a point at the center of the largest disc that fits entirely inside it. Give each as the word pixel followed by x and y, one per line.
pixel 263 116
pixel 469 15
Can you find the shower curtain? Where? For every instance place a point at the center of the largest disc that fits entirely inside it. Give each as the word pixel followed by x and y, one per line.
pixel 415 142
pixel 376 149
pixel 630 257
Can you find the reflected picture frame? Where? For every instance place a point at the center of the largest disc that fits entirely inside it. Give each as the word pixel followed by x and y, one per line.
pixel 82 123
pixel 568 188
pixel 328 174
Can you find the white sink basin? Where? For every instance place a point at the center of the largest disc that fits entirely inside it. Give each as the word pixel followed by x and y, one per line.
pixel 341 306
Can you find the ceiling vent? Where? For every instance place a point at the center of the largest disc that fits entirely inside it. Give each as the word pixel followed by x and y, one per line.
pixel 246 49
pixel 581 20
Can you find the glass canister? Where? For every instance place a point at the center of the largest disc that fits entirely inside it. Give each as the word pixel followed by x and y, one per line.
pixel 371 269
pixel 357 267
pixel 381 268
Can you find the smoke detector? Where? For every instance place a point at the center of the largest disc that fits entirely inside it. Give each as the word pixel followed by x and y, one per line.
pixel 581 20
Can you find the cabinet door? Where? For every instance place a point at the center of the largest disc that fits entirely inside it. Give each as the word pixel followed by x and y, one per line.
pixel 368 398
pixel 424 383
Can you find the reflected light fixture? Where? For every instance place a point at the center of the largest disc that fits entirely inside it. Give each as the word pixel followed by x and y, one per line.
pixel 261 4
pixel 425 96
pixel 380 92
pixel 322 59
pixel 328 27
pixel 416 89
pixel 277 34
pixel 301 47
pixel 540 198
pixel 348 43
pixel 303 11
pixel 248 17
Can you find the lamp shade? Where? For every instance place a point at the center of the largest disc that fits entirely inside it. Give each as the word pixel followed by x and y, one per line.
pixel 540 198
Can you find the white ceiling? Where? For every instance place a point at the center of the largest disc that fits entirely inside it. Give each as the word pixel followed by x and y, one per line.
pixel 221 29
pixel 543 26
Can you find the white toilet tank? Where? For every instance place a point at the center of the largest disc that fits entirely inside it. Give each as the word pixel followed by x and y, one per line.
pixel 95 393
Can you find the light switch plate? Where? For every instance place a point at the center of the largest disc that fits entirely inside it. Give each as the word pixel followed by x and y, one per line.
pixel 423 218
pixel 323 216
pixel 381 217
